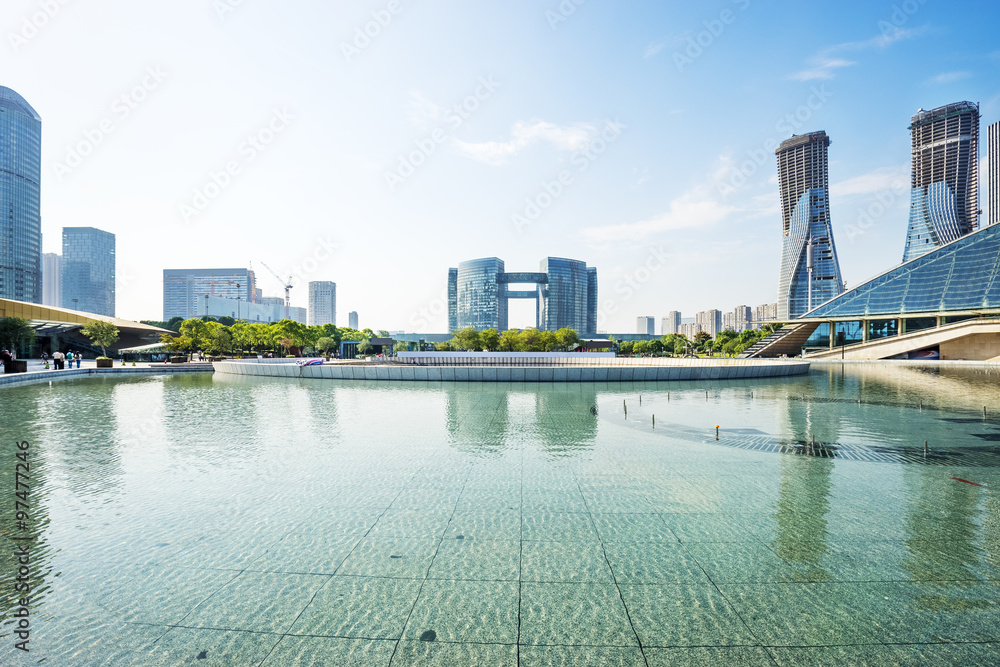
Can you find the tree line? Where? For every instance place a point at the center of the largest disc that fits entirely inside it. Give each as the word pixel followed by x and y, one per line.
pixel 218 337
pixel 727 342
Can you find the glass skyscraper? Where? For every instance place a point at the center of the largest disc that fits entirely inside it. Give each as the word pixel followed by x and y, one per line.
pixel 184 290
pixel 944 184
pixel 88 270
pixel 52 279
pixel 322 302
pixel 810 271
pixel 993 172
pixel 565 294
pixel 20 199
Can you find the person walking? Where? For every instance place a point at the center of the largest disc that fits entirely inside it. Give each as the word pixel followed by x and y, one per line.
pixel 57 360
pixel 79 357
pixel 69 358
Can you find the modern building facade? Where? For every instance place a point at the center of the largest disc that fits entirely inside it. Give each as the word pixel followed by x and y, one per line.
pixel 183 288
pixel 810 271
pixel 710 321
pixel 87 275
pixel 322 302
pixel 352 320
pixel 993 172
pixel 944 184
pixel 20 199
pixel 671 324
pixel 51 279
pixel 565 293
pixel 645 324
pixel 238 309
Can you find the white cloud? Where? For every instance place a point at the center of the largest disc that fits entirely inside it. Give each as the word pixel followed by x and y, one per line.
pixel 692 209
pixel 652 49
pixel 824 64
pixel 878 180
pixel 421 110
pixel 949 77
pixel 823 70
pixel 571 138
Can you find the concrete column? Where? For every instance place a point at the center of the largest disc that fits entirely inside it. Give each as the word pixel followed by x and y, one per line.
pixel 864 331
pixel 833 335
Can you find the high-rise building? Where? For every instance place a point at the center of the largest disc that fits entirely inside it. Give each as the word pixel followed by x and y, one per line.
pixel 51 279
pixel 20 199
pixel 671 324
pixel 322 302
pixel 710 321
pixel 565 294
pixel 452 300
pixel 944 184
pixel 742 318
pixel 765 313
pixel 993 172
pixel 184 289
pixel 88 270
pixel 645 324
pixel 352 320
pixel 810 271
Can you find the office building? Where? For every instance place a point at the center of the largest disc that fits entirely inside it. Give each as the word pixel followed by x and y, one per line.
pixel 51 279
pixel 810 271
pixel 671 324
pixel 272 310
pixel 183 288
pixel 564 290
pixel 944 184
pixel 352 320
pixel 87 274
pixel 993 172
pixel 20 199
pixel 322 302
pixel 645 324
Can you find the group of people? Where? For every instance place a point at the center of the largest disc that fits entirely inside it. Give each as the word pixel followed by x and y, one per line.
pixel 59 359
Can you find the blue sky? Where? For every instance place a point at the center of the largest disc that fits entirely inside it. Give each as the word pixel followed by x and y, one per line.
pixel 637 136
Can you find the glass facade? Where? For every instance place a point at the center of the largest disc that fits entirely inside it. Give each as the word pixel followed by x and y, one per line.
pixel 944 183
pixel 810 270
pixel 20 199
pixel 591 301
pixel 184 290
pixel 452 300
pixel 963 275
pixel 88 270
pixel 51 279
pixel 564 298
pixel 322 302
pixel 481 297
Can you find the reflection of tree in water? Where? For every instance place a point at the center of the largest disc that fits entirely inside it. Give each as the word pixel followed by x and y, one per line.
pixel 32 409
pixel 803 497
pixel 488 418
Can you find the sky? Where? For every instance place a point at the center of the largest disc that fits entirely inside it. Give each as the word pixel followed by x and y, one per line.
pixel 377 143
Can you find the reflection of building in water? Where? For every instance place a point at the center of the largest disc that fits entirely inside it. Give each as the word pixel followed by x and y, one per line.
pixel 556 416
pixel 804 494
pixel 958 388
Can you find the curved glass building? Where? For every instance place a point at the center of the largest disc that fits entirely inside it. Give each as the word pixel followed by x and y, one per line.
pixel 564 298
pixel 944 184
pixel 20 199
pixel 481 297
pixel 810 270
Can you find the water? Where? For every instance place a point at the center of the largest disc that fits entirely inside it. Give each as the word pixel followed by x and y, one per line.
pixel 233 520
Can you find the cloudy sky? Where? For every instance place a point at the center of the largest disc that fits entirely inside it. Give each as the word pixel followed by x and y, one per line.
pixel 378 142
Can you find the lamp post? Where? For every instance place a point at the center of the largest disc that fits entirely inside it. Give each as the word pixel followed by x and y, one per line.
pixel 205 314
pixel 237 301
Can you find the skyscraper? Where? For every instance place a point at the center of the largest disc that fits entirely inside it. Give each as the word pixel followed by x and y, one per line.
pixel 88 270
pixel 322 302
pixel 481 296
pixel 184 290
pixel 591 300
pixel 20 199
pixel 52 279
pixel 645 324
pixel 352 320
pixel 671 324
pixel 710 321
pixel 452 300
pixel 564 298
pixel 993 172
pixel 944 185
pixel 810 271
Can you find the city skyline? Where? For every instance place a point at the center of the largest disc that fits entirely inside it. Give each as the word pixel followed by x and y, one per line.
pixel 465 158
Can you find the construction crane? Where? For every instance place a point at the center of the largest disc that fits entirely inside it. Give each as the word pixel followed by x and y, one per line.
pixel 288 289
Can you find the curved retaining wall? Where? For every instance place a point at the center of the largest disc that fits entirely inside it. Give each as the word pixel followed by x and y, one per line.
pixel 707 370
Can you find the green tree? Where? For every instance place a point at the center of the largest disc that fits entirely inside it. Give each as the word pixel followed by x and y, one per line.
pixel 177 343
pixel 443 347
pixel 567 339
pixel 15 332
pixel 364 347
pixel 490 340
pixel 467 339
pixel 547 341
pixel 529 340
pixel 218 339
pixel 509 340
pixel 401 346
pixel 640 347
pixel 655 346
pixel 701 337
pixel 325 344
pixel 195 329
pixel 101 332
pixel 625 347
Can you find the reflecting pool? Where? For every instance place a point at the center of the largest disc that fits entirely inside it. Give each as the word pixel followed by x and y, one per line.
pixel 244 521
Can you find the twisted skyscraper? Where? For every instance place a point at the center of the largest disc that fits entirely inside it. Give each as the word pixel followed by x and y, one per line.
pixel 20 199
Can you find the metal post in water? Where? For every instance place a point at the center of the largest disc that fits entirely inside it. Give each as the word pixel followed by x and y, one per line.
pixel 925 448
pixel 654 421
pixel 716 431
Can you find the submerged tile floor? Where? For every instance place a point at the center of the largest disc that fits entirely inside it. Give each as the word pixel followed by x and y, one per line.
pixel 278 522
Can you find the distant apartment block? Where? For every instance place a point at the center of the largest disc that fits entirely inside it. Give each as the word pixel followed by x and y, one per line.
pixel 184 290
pixel 87 270
pixel 671 324
pixel 645 325
pixel 322 302
pixel 710 321
pixel 352 320
pixel 52 279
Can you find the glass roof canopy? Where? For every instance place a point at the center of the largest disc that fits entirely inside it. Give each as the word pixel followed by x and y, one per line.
pixel 962 276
